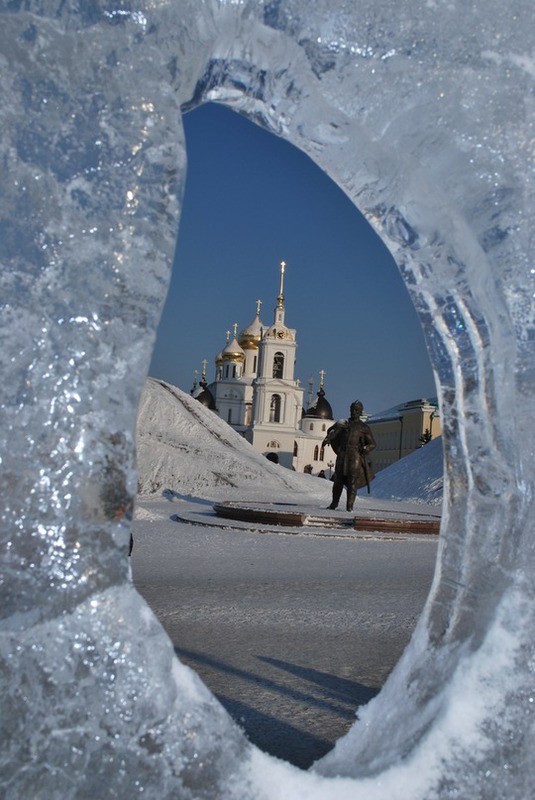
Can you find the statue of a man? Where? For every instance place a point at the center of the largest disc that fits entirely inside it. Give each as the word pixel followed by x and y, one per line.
pixel 351 440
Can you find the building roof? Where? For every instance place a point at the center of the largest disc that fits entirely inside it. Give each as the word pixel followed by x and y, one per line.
pixel 322 409
pixel 250 336
pixel 205 396
pixel 396 412
pixel 233 351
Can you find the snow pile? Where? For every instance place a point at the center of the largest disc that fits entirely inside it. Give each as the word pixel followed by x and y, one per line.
pixel 417 478
pixel 186 448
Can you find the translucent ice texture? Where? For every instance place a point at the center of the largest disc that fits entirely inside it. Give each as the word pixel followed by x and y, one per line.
pixel 422 111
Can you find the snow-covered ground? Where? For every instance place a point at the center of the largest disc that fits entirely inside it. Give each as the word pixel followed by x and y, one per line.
pixel 292 632
pixel 186 449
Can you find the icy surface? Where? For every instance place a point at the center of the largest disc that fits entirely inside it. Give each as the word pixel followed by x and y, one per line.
pixel 422 111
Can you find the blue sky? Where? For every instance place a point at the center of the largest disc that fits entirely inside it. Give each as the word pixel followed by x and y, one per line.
pixel 253 200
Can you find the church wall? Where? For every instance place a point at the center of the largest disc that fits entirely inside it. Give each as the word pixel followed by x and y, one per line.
pixel 306 444
pixel 251 363
pixel 291 402
pixel 271 439
pixel 235 396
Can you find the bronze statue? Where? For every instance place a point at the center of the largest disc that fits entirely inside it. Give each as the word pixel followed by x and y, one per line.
pixel 351 440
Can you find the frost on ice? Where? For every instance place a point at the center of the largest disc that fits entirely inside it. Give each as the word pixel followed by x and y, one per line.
pixel 422 112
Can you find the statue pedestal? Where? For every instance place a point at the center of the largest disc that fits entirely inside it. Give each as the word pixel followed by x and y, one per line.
pixel 369 520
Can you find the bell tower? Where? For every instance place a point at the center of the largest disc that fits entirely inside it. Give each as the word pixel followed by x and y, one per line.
pixel 278 399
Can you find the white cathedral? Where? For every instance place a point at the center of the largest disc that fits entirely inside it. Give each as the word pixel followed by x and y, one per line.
pixel 255 391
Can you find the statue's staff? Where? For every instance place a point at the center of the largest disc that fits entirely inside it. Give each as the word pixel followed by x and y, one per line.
pixel 362 450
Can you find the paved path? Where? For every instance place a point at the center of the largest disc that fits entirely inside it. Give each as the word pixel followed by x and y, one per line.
pixel 292 633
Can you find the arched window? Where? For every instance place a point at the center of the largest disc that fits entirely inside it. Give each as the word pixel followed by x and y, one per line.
pixel 316 451
pixel 322 453
pixel 278 365
pixel 275 408
pixel 295 449
pixel 274 445
pixel 229 416
pixel 323 427
pixel 311 426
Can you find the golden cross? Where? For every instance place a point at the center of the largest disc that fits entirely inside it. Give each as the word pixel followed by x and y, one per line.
pixel 280 298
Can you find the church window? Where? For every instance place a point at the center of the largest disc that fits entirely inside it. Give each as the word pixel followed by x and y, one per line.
pixel 323 427
pixel 295 449
pixel 226 371
pixel 234 371
pixel 274 445
pixel 311 426
pixel 254 363
pixel 322 454
pixel 316 451
pixel 278 365
pixel 275 408
pixel 229 416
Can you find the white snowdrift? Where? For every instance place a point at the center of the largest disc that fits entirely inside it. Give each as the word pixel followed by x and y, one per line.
pixel 417 478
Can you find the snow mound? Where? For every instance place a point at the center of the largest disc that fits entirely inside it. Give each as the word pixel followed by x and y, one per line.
pixel 185 448
pixel 417 478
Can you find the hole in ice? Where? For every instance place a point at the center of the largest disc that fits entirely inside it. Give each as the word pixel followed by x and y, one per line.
pixel 253 199
pixel 291 633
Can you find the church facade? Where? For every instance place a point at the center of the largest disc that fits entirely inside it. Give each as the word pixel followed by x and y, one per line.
pixel 256 392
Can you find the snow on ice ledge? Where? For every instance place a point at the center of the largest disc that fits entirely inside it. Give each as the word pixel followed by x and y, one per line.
pixel 422 112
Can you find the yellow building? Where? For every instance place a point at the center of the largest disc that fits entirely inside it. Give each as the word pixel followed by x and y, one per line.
pixel 403 429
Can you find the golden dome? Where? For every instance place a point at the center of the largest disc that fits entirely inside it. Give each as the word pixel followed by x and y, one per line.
pixel 250 336
pixel 248 342
pixel 233 352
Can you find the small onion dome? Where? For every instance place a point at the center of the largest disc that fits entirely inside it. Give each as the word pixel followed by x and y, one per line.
pixel 233 352
pixel 322 409
pixel 250 336
pixel 205 397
